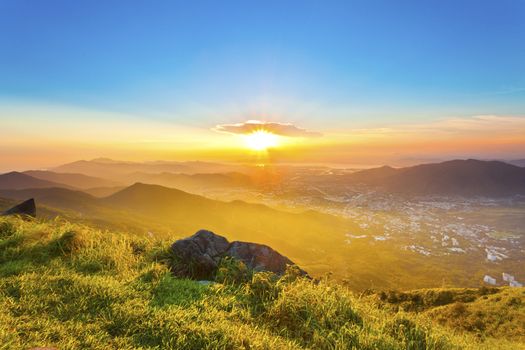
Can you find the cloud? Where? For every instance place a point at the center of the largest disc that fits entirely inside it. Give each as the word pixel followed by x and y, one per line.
pixel 249 126
pixel 482 125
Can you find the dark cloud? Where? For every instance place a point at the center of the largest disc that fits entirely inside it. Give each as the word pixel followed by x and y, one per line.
pixel 283 129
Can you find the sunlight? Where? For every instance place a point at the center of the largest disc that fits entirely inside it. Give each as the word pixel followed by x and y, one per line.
pixel 261 140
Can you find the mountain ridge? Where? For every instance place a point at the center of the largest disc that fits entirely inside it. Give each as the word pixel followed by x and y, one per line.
pixel 455 177
pixel 16 180
pixel 73 180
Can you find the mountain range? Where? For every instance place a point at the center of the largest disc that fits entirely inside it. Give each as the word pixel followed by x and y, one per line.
pixel 189 182
pixel 457 177
pixel 114 169
pixel 73 180
pixel 15 181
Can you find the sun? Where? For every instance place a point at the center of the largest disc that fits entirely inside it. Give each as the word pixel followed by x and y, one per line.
pixel 261 140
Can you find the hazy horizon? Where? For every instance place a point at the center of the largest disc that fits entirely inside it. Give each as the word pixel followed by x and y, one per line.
pixel 400 163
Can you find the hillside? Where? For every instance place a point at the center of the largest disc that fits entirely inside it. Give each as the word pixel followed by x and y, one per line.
pixel 60 198
pixel 69 286
pixel 152 208
pixel 319 242
pixel 79 181
pixel 457 177
pixel 103 191
pixel 193 182
pixel 16 181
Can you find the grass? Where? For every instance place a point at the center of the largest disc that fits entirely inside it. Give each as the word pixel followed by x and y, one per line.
pixel 70 286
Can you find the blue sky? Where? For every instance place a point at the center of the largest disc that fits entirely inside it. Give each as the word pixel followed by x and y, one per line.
pixel 382 58
pixel 322 63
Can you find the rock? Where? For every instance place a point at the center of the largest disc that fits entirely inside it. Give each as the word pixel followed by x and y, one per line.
pixel 259 257
pixel 198 256
pixel 25 208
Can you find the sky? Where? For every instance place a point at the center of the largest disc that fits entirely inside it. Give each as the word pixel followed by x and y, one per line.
pixel 369 82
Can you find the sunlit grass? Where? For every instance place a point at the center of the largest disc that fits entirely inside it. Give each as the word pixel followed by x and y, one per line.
pixel 74 287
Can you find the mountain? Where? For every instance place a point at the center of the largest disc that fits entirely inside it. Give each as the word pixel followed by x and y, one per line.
pixel 60 198
pixel 192 182
pixel 166 211
pixel 517 162
pixel 16 181
pixel 242 220
pixel 79 181
pixel 374 175
pixel 457 177
pixel 103 191
pixel 115 169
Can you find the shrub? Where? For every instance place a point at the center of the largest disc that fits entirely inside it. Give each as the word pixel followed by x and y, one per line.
pixel 310 312
pixel 70 242
pixel 232 271
pixel 7 229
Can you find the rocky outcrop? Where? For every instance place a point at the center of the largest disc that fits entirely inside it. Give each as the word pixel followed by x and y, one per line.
pixel 198 256
pixel 259 257
pixel 27 208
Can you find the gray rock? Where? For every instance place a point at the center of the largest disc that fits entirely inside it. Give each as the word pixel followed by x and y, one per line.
pixel 198 256
pixel 25 208
pixel 259 257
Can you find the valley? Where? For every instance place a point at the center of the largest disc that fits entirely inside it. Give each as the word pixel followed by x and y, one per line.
pixel 351 231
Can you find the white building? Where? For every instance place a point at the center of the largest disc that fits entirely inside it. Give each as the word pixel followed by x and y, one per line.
pixel 515 284
pixel 507 278
pixel 489 280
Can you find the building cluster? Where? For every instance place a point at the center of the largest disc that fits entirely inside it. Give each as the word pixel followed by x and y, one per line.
pixel 505 277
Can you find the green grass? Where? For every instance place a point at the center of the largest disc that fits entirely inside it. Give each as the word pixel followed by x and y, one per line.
pixel 70 286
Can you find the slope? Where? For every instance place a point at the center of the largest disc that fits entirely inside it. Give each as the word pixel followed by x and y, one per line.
pixel 79 181
pixel 16 181
pixel 457 177
pixel 68 286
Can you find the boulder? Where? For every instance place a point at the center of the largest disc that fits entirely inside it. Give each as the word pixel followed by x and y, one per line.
pixel 198 256
pixel 259 257
pixel 25 208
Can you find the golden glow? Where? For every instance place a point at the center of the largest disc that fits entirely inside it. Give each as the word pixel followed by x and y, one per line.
pixel 261 140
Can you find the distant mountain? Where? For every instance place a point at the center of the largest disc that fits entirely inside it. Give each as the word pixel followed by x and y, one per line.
pixel 103 191
pixel 16 181
pixel 517 162
pixel 79 181
pixel 60 198
pixel 114 169
pixel 374 175
pixel 457 177
pixel 240 220
pixel 192 182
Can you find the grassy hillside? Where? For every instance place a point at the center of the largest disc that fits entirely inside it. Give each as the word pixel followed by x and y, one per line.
pixel 73 287
pixel 314 240
pixel 171 212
